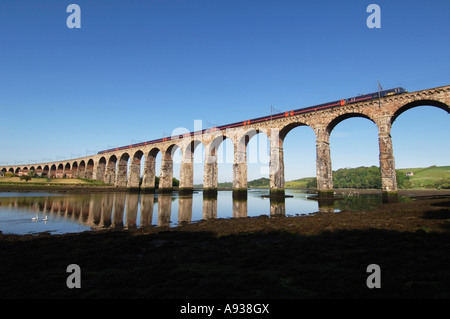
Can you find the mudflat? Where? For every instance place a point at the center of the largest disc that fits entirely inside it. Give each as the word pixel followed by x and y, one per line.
pixel 324 255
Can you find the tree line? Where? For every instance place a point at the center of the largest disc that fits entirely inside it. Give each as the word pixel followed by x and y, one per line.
pixel 361 177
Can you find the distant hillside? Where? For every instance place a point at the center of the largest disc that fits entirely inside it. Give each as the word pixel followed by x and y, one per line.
pixel 435 177
pixel 259 183
pixel 299 183
pixel 428 177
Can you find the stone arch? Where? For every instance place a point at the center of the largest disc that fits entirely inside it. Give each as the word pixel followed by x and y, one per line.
pixel 284 131
pixel 212 147
pixel 67 170
pixel 187 166
pixel 256 155
pixel 417 103
pixel 38 171
pixel 122 170
pixel 82 169
pixel 166 175
pixel 149 176
pixel 101 168
pixel 4 170
pixel 46 170
pixel 89 169
pixel 74 170
pixel 338 119
pixel 189 150
pixel 17 171
pixel 52 172
pixel 24 171
pixel 60 170
pixel 210 171
pixel 170 151
pixel 11 170
pixel 294 138
pixel 110 173
pixel 135 169
pixel 420 127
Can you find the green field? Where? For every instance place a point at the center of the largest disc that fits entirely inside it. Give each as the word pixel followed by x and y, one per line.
pixel 298 183
pixel 428 177
pixel 39 181
pixel 432 177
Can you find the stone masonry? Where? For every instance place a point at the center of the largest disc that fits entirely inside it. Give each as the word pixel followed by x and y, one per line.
pixel 122 167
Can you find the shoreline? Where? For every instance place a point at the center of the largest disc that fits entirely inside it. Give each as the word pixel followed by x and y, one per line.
pixel 95 188
pixel 323 255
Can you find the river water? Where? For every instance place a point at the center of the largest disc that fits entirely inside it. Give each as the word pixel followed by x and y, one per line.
pixel 67 213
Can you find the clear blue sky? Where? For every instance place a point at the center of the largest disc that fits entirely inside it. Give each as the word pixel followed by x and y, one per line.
pixel 136 70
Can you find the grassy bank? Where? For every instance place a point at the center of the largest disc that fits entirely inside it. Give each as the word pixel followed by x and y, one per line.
pixel 62 184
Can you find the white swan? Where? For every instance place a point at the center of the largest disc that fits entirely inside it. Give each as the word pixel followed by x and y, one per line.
pixel 35 217
pixel 45 218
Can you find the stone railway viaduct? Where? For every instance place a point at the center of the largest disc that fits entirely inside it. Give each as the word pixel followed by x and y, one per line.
pixel 114 167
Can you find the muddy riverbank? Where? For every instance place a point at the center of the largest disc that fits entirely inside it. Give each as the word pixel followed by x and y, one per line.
pixel 324 255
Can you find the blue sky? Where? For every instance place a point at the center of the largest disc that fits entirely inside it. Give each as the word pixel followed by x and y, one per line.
pixel 136 70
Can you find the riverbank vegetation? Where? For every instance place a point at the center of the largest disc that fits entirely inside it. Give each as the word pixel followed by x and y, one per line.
pixel 433 177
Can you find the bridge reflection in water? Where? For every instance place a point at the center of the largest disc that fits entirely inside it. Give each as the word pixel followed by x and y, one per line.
pixel 133 210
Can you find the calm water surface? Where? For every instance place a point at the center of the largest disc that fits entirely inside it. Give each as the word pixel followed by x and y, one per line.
pixel 68 213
